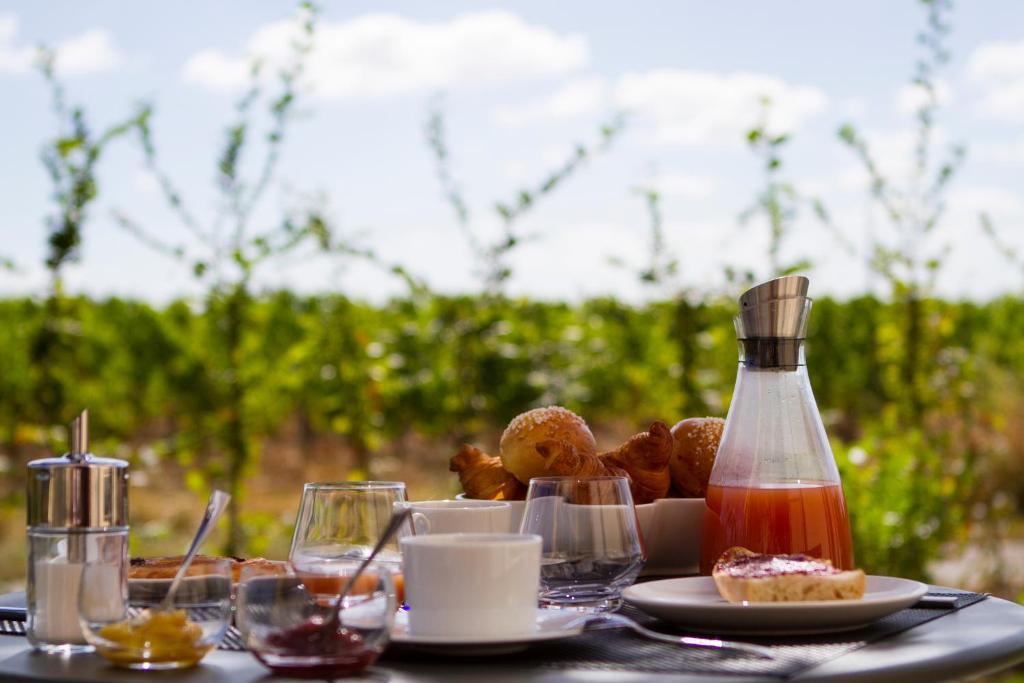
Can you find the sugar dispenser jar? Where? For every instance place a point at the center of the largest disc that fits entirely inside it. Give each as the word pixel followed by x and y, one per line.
pixel 775 487
pixel 77 515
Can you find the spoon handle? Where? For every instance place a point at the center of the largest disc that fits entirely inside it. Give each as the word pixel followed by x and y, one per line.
pixel 622 621
pixel 394 524
pixel 214 509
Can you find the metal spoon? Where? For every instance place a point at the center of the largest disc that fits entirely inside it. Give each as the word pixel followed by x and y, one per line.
pixel 214 509
pixel 600 621
pixel 394 524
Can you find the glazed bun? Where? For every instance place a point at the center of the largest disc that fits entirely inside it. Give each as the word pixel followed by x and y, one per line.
pixel 695 444
pixel 518 447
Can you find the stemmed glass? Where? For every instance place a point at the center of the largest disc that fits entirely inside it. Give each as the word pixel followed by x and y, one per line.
pixel 341 522
pixel 592 547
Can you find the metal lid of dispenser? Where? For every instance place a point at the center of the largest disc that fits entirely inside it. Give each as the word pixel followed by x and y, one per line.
pixel 776 309
pixel 78 490
pixel 772 323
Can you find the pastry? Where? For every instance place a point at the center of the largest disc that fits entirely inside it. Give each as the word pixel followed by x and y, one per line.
pixel 518 449
pixel 260 566
pixel 483 476
pixel 645 457
pixel 167 567
pixel 562 459
pixel 745 576
pixel 695 444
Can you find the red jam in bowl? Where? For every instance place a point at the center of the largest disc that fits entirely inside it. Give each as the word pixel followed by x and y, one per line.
pixel 310 650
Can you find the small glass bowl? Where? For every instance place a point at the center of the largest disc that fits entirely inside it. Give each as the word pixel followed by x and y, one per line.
pixel 137 633
pixel 290 630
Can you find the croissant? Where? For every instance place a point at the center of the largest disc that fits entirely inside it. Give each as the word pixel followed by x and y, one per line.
pixel 483 476
pixel 645 457
pixel 562 459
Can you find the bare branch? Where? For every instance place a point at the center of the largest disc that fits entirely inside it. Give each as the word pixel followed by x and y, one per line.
pixel 437 142
pixel 149 240
pixel 280 111
pixel 171 194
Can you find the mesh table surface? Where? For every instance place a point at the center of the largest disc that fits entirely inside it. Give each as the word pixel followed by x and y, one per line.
pixel 619 650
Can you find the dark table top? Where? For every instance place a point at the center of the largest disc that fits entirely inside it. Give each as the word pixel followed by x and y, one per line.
pixel 978 639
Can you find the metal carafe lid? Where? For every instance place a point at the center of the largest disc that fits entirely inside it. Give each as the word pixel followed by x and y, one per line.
pixel 78 490
pixel 776 309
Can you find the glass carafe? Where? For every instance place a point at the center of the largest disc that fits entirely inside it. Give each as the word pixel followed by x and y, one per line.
pixel 774 487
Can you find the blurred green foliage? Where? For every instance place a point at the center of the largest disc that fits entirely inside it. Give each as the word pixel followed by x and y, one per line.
pixel 452 368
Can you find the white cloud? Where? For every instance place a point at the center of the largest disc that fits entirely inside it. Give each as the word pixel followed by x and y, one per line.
pixel 387 54
pixel 698 107
pixel 576 98
pixel 553 156
pixel 999 68
pixel 1010 153
pixel 813 187
pixel 216 71
pixel 90 52
pixel 997 61
pixel 684 185
pixel 1005 101
pixel 973 200
pixel 912 97
pixel 13 59
pixel 894 155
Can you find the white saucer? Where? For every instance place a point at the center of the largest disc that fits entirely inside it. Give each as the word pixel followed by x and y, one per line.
pixel 551 625
pixel 694 602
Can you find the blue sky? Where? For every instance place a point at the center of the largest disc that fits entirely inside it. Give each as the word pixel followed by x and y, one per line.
pixel 522 83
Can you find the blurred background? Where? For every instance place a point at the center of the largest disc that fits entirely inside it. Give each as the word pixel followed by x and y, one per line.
pixel 267 244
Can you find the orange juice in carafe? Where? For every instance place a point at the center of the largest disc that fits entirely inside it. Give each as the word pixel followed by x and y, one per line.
pixel 775 487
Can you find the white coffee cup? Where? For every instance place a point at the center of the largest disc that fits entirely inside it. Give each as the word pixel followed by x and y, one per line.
pixel 517 506
pixel 472 585
pixel 459 516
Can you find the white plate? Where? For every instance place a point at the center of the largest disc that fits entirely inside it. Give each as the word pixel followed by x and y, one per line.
pixel 551 625
pixel 694 602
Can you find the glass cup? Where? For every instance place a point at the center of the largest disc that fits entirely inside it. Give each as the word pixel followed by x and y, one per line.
pixel 342 521
pixel 290 630
pixel 592 547
pixel 137 633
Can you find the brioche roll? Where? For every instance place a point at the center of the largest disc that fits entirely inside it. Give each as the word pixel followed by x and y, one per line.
pixel 518 448
pixel 695 444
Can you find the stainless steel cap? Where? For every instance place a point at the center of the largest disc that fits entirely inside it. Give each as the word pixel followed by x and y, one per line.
pixel 776 309
pixel 78 490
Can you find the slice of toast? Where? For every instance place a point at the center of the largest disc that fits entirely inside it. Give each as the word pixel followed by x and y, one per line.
pixel 745 576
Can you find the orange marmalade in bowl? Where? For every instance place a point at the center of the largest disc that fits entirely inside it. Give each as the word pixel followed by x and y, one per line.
pixel 165 638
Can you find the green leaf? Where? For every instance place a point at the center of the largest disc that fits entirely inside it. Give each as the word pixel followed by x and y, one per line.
pixel 195 481
pixel 66 146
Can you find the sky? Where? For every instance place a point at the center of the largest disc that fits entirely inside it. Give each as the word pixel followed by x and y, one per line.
pixel 521 83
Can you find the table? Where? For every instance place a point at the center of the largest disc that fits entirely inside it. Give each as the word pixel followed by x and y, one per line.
pixel 978 639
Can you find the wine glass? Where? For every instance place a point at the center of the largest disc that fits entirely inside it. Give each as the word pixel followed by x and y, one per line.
pixel 592 547
pixel 137 631
pixel 290 629
pixel 342 521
